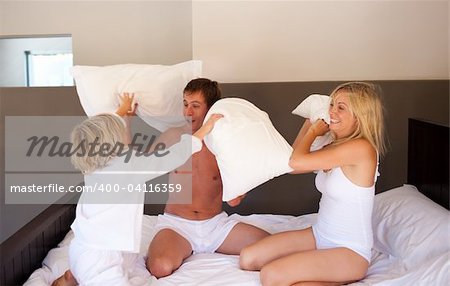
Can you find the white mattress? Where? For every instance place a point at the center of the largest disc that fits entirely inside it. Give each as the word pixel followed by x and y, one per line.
pixel 418 262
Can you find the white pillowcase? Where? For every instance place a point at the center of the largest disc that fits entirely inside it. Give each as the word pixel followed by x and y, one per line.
pixel 248 148
pixel 435 271
pixel 158 89
pixel 316 107
pixel 409 226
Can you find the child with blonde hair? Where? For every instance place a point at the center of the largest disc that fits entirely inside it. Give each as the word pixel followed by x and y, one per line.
pixel 107 227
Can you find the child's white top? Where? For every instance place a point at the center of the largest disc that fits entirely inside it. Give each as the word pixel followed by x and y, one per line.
pixel 113 219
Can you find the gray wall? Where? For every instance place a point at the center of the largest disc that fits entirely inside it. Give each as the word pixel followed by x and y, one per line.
pixel 25 102
pixel 427 100
pixel 288 194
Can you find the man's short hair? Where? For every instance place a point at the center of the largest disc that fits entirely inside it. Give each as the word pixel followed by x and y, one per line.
pixel 209 88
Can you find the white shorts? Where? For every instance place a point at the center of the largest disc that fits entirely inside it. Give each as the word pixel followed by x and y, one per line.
pixel 205 236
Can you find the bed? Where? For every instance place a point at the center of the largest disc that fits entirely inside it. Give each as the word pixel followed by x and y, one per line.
pixel 425 261
pixel 411 229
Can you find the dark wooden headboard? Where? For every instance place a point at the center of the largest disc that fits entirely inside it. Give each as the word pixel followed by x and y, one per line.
pixel 23 252
pixel 428 159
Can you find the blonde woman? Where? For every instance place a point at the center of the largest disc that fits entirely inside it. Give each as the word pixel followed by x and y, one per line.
pixel 337 248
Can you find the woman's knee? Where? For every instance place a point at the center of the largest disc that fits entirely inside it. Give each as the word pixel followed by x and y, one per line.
pixel 248 259
pixel 360 272
pixel 271 276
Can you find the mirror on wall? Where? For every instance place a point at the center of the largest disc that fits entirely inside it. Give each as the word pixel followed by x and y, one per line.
pixel 36 61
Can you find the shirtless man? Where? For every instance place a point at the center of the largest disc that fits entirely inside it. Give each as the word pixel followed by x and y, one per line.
pixel 200 226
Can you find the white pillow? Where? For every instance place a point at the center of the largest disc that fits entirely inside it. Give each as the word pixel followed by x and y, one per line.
pixel 316 107
pixel 435 271
pixel 248 148
pixel 409 226
pixel 158 89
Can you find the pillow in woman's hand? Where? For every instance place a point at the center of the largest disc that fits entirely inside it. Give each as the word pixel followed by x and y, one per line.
pixel 315 107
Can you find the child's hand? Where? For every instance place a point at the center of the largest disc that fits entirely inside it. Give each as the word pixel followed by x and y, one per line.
pixel 207 126
pixel 127 106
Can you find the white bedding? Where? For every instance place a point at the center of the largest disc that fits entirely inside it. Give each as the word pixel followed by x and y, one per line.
pixel 385 269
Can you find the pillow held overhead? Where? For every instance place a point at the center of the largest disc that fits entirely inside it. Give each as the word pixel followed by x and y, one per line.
pixel 158 89
pixel 315 107
pixel 248 149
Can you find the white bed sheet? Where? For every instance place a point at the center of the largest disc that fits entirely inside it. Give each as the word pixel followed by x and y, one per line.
pixel 219 269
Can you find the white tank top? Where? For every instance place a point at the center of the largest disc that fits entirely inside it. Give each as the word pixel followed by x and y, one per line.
pixel 345 212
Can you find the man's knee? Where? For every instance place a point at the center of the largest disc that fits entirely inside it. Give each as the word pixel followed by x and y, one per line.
pixel 161 267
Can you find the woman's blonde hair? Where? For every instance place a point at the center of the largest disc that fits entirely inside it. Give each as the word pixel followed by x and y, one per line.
pixel 90 139
pixel 367 107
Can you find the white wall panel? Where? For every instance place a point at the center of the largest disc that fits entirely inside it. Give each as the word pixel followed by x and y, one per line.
pixel 267 41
